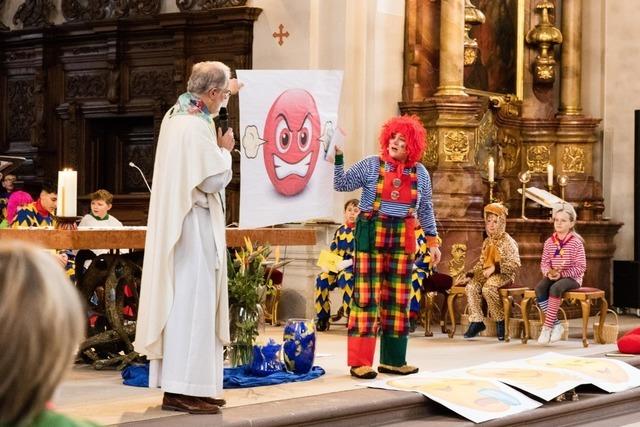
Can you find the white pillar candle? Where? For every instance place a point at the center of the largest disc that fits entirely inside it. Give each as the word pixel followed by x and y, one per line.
pixel 550 175
pixel 491 167
pixel 67 192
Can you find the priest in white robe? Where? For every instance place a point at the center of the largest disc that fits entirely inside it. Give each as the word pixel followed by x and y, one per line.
pixel 183 319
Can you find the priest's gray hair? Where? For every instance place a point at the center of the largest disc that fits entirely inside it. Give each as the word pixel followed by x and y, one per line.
pixel 208 75
pixel 41 325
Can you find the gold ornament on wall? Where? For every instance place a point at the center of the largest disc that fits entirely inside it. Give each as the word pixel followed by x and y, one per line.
pixel 472 16
pixel 456 146
pixel 573 159
pixel 508 153
pixel 538 157
pixel 544 36
pixel 458 258
pixel 430 157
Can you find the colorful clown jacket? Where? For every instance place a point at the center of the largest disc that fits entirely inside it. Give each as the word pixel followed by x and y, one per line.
pixel 33 215
pixel 343 244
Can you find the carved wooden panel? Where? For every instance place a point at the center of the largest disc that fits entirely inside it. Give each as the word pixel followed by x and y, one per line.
pixel 86 85
pixel 187 5
pixel 91 94
pixel 21 108
pixel 151 83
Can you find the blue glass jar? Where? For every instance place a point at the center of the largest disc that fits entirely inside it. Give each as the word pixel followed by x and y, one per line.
pixel 299 346
pixel 266 359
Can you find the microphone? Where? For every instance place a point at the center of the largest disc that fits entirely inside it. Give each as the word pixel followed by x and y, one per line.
pixel 223 119
pixel 133 165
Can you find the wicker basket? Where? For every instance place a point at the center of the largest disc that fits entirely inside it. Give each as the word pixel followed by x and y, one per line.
pixel 565 324
pixel 516 328
pixel 609 330
pixel 491 330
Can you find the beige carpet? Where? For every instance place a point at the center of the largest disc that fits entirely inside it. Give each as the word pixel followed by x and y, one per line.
pixel 101 397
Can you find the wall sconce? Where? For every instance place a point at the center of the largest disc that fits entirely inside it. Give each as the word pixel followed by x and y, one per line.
pixel 544 36
pixel 472 16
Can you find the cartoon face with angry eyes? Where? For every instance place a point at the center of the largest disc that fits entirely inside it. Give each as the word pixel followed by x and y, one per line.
pixel 292 141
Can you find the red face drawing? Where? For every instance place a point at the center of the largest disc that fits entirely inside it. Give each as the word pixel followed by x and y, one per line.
pixel 291 132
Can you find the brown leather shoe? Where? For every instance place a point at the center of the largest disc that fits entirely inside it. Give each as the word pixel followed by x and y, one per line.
pixel 218 402
pixel 190 404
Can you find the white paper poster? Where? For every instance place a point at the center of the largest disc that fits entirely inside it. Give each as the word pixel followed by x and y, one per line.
pixel 287 121
pixel 474 398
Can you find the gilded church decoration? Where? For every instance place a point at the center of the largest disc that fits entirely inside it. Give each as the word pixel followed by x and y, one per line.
pixel 538 157
pixel 430 157
pixel 543 37
pixel 472 16
pixel 573 159
pixel 458 258
pixel 508 153
pixel 456 146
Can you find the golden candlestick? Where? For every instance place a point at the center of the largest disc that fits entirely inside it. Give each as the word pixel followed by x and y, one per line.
pixel 524 177
pixel 563 180
pixel 491 185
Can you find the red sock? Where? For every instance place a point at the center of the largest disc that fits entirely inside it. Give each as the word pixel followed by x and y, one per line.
pixel 552 311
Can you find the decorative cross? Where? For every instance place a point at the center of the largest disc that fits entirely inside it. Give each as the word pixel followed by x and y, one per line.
pixel 281 35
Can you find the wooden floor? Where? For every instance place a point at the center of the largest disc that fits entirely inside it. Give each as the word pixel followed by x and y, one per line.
pixel 101 397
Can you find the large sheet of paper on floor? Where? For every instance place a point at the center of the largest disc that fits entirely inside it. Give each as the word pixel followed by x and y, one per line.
pixel 287 121
pixel 476 399
pixel 545 383
pixel 607 374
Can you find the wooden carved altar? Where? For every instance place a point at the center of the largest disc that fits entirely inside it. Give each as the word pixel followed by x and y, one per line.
pixel 90 93
pixel 484 77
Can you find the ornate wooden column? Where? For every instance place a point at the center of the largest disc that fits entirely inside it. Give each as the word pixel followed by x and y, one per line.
pixel 451 48
pixel 571 69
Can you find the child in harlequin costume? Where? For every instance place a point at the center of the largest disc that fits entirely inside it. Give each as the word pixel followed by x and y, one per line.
pixel 563 265
pixel 396 195
pixel 18 200
pixel 498 265
pixel 342 245
pixel 420 272
pixel 39 214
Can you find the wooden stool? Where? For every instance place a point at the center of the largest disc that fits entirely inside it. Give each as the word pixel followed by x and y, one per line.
pixel 507 293
pixel 429 305
pixel 454 292
pixel 584 295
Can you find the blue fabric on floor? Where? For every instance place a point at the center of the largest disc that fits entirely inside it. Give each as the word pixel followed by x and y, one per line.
pixel 239 377
pixel 136 375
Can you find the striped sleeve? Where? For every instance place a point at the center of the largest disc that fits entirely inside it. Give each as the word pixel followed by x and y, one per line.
pixel 547 254
pixel 424 209
pixel 355 177
pixel 578 260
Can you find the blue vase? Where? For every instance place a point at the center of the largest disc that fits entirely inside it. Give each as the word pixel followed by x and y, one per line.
pixel 299 345
pixel 266 359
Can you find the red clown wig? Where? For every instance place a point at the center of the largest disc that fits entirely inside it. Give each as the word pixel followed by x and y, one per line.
pixel 414 134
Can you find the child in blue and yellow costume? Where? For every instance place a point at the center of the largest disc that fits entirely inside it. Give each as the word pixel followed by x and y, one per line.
pixel 39 214
pixel 420 272
pixel 343 244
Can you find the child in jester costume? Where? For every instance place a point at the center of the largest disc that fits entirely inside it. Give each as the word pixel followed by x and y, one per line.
pixel 344 246
pixel 396 195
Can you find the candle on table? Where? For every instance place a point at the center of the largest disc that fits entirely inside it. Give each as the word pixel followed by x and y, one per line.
pixel 491 166
pixel 67 192
pixel 550 175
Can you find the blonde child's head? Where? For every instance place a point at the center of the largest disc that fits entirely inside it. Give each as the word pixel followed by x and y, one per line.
pixel 41 325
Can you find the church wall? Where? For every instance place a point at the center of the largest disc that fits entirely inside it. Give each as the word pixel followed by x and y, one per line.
pixel 621 97
pixel 365 40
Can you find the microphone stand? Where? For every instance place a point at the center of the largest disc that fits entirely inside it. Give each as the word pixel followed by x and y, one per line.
pixel 133 165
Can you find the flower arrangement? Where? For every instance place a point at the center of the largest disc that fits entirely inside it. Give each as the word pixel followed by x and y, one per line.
pixel 249 271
